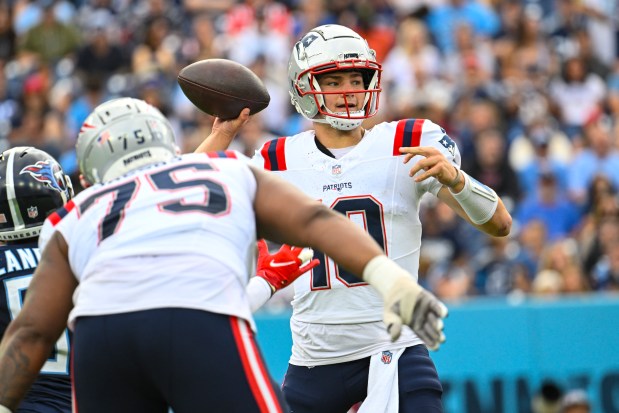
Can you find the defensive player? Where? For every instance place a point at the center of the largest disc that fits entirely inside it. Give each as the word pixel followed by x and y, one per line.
pixel 341 353
pixel 155 254
pixel 32 186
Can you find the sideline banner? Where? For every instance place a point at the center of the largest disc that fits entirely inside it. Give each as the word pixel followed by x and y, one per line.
pixel 500 350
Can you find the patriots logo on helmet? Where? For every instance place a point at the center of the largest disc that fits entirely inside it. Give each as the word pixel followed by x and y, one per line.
pixel 309 39
pixel 47 172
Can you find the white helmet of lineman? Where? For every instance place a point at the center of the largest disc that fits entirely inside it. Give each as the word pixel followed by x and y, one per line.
pixel 326 49
pixel 121 135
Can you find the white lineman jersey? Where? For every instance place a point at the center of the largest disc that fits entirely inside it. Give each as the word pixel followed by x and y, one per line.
pixel 178 234
pixel 371 186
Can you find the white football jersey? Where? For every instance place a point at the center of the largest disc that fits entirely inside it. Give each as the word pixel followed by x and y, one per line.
pixel 179 234
pixel 371 185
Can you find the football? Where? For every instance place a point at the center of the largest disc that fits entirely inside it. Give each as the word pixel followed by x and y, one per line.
pixel 222 88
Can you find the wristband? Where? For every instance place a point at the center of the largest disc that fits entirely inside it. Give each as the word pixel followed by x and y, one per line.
pixel 258 292
pixel 456 180
pixel 477 200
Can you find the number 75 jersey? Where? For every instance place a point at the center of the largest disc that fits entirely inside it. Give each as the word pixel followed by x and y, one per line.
pixel 370 185
pixel 179 234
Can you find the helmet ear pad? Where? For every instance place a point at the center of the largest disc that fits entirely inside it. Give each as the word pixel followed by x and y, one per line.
pixel 33 186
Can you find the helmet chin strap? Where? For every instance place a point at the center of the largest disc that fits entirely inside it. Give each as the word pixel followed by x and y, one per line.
pixel 342 124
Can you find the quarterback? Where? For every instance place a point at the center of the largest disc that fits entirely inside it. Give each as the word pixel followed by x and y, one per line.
pixel 341 353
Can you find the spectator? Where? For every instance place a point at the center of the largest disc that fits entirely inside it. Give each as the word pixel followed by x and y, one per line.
pixel 605 273
pixel 548 283
pixel 468 48
pixel 497 272
pixel 575 280
pixel 551 206
pixel 491 168
pixel 264 29
pixel 50 40
pixel 533 244
pixel 576 94
pixel 252 137
pixel 599 157
pixel 411 56
pixel 153 57
pixel 444 18
pixel 575 401
pixel 541 148
pixel 469 118
pixel 93 93
pixel 203 44
pixel 8 38
pixel 101 55
pixel 547 399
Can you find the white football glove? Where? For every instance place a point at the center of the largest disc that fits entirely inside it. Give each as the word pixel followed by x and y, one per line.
pixel 406 302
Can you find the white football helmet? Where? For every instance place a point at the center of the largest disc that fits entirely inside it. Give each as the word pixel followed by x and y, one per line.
pixel 326 49
pixel 121 135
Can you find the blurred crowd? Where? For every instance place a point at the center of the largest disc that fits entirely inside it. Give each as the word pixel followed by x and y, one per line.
pixel 528 89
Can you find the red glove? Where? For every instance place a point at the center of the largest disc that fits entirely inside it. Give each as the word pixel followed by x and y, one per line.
pixel 283 267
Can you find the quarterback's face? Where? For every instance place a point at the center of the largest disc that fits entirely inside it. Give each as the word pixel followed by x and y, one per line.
pixel 344 91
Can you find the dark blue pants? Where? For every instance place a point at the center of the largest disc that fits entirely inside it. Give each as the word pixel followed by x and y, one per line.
pixel 336 388
pixel 192 361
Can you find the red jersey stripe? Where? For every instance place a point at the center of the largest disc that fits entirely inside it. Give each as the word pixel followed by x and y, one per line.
pixel 61 212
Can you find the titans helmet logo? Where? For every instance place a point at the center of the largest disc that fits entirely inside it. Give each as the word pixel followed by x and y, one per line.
pixel 47 172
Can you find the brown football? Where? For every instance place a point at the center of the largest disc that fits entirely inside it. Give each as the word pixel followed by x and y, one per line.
pixel 222 88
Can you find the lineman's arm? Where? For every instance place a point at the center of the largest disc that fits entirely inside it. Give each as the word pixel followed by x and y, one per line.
pixel 286 215
pixel 222 133
pixel 29 339
pixel 474 202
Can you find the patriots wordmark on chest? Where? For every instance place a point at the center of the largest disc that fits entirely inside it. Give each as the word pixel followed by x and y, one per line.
pixel 337 187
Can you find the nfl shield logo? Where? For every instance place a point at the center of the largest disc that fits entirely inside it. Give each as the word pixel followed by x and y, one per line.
pixel 386 357
pixel 336 169
pixel 33 212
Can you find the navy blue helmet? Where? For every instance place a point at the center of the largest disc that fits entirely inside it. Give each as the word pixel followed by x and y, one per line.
pixel 32 186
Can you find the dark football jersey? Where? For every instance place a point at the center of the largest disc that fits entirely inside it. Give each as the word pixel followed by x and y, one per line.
pixel 53 386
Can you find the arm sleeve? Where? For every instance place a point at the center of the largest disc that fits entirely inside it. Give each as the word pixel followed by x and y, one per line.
pixel 258 292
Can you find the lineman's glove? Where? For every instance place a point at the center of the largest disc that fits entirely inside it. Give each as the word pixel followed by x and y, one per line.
pixel 285 266
pixel 406 302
